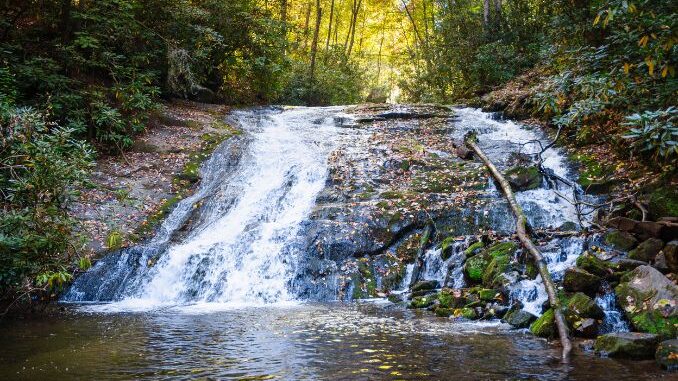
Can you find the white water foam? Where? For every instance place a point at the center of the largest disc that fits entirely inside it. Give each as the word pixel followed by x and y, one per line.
pixel 242 257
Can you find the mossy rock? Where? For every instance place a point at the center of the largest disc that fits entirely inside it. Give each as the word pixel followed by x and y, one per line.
pixel 647 250
pixel 545 325
pixel 497 266
pixel 447 299
pixel 649 300
pixel 531 270
pixel 627 344
pixel 663 202
pixel 667 355
pixel 519 318
pixel 487 294
pixel 423 301
pixel 446 247
pixel 524 178
pixel 621 240
pixel 503 248
pixel 443 312
pixel 582 315
pixel 594 265
pixel 578 280
pixel 474 267
pixel 471 250
pixel 467 313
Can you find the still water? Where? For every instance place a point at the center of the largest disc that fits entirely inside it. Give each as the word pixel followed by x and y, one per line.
pixel 329 341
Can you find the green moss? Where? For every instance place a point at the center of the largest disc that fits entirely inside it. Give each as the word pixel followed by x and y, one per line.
pixel 593 265
pixel 498 265
pixel 443 312
pixel 621 240
pixel 468 313
pixel 502 249
pixel 531 270
pixel 487 294
pixel 654 322
pixel 471 249
pixel 474 268
pixel 423 301
pixel 544 326
pixel 445 247
pixel 390 195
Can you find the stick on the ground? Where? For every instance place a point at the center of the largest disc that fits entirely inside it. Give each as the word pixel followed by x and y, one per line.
pixel 521 229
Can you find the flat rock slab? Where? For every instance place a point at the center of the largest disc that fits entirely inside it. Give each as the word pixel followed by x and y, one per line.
pixel 627 344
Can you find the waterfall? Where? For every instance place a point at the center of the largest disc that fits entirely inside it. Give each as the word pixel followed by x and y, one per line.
pixel 241 249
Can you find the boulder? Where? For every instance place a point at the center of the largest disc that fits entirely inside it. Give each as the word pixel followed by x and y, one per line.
pixel 627 344
pixel 487 294
pixel 647 250
pixel 578 280
pixel 497 255
pixel 649 301
pixel 443 312
pixel 583 315
pixel 667 355
pixel 663 202
pixel 671 256
pixel 474 267
pixel 620 240
pixel 545 325
pixel 524 178
pixel 422 301
pixel 519 318
pixel 594 265
pixel 451 299
pixel 425 285
pixel 622 223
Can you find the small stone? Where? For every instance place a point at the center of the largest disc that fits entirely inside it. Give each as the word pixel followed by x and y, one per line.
pixel 586 328
pixel 667 355
pixel 647 250
pixel 519 318
pixel 627 344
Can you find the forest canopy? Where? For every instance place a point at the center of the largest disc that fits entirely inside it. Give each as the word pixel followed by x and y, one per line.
pixel 85 76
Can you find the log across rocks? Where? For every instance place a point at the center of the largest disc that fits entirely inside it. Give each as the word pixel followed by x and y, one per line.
pixel 523 235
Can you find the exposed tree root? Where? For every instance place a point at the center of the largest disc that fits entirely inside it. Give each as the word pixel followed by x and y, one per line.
pixel 523 235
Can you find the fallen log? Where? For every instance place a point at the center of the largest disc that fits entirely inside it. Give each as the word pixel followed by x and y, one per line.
pixel 524 236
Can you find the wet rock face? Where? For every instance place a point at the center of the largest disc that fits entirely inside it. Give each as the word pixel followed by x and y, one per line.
pixel 394 172
pixel 649 301
pixel 627 344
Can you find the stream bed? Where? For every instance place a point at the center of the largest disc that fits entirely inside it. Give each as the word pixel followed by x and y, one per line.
pixel 328 341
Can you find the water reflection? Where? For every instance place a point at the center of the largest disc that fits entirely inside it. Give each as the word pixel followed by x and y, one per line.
pixel 303 342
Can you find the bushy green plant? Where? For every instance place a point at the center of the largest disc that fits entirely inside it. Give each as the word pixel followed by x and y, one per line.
pixel 654 133
pixel 41 164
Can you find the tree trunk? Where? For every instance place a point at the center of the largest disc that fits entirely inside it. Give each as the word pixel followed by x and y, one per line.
pixel 523 235
pixel 497 15
pixel 314 45
pixel 306 22
pixel 357 4
pixel 329 26
pixel 283 19
pixel 486 15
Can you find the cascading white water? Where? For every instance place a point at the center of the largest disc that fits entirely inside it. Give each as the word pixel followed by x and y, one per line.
pixel 243 255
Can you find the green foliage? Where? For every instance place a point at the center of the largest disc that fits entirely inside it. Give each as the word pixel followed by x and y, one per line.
pixel 40 166
pixel 655 133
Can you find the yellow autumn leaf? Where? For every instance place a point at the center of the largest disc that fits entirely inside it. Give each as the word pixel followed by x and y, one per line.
pixel 643 41
pixel 650 65
pixel 597 20
pixel 627 67
pixel 665 71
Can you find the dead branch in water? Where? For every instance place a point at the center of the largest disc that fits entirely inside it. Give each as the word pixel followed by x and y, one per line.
pixel 521 230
